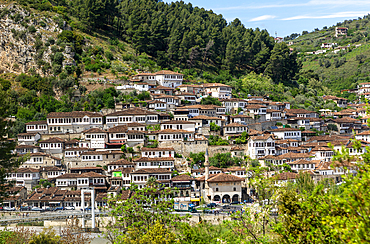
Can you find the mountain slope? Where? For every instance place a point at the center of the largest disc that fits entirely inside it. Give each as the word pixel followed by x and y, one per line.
pixel 345 64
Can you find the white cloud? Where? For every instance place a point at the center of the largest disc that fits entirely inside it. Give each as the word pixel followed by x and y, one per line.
pixel 330 16
pixel 263 17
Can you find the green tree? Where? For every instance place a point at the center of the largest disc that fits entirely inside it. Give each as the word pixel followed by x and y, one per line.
pixel 210 100
pixel 214 127
pixel 282 65
pixel 8 161
pixel 134 217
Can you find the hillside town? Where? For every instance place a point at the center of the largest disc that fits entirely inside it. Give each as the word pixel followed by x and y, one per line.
pixel 115 151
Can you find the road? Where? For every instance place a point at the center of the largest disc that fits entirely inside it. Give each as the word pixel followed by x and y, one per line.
pixel 8 217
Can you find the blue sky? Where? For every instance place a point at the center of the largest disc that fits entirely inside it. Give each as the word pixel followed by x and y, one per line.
pixel 286 17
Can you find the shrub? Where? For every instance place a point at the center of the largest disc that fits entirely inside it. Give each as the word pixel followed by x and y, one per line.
pixel 32 29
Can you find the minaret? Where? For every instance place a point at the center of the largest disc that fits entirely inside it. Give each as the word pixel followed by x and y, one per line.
pixel 206 170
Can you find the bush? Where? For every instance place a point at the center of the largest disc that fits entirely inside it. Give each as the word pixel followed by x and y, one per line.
pixel 32 29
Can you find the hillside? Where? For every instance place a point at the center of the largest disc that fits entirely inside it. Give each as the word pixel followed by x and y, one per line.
pixel 345 64
pixel 118 37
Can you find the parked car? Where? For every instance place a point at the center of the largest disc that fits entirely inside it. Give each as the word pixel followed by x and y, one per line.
pixel 207 211
pixel 58 208
pixel 36 209
pixel 226 207
pixel 25 208
pixel 8 209
pixel 48 209
pixel 69 208
pixel 86 209
pixel 211 205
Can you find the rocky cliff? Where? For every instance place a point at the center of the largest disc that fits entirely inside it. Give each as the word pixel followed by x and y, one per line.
pixel 26 40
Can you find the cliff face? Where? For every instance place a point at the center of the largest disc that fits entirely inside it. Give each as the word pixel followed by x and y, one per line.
pixel 26 40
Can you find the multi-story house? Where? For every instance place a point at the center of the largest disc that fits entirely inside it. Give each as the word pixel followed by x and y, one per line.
pixel 75 152
pixel 130 115
pixel 287 133
pixel 141 176
pixel 169 78
pixel 27 177
pixel 218 90
pixel 79 181
pixel 157 105
pixel 346 125
pixel 53 145
pixel 273 114
pixel 187 96
pixel 341 102
pixel 207 110
pixel 97 137
pixel 200 172
pixel 175 135
pixel 95 158
pixel 242 118
pixel 30 138
pixel 23 149
pixel 195 89
pixel 171 101
pixel 39 160
pixel 234 129
pixel 302 113
pixel 221 188
pixel 121 177
pixel 121 163
pixel 365 136
pixel 118 134
pixel 184 185
pixel 302 164
pixel 178 125
pixel 233 105
pixel 161 90
pixel 37 126
pixel 257 110
pixel 205 121
pixel 73 122
pixel 51 172
pixel 261 146
pixel 162 162
pixel 157 152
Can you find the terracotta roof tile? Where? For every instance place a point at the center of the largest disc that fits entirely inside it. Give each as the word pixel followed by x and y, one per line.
pixel 222 177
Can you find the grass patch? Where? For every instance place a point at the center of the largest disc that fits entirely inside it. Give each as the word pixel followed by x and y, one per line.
pixel 34 223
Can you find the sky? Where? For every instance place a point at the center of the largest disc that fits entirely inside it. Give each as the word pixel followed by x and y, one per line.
pixel 282 18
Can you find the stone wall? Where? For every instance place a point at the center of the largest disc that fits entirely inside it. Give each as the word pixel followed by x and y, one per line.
pixel 266 125
pixel 213 150
pixel 185 148
pixel 66 136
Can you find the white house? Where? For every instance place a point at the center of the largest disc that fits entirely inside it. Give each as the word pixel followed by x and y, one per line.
pixel 218 90
pixel 73 122
pixel 130 115
pixel 141 176
pixel 178 125
pixel 287 133
pixel 37 126
pixel 260 146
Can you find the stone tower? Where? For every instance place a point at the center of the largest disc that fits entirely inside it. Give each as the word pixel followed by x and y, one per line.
pixel 206 174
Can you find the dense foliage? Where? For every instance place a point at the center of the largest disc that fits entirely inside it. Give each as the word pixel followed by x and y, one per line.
pixel 177 35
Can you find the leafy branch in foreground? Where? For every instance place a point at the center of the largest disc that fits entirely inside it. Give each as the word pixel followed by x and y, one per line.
pixel 133 219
